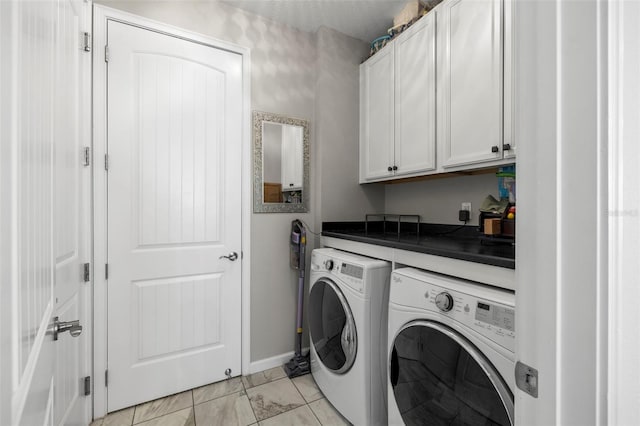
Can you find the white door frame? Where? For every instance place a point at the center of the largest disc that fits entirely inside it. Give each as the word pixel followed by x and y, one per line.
pixel 101 15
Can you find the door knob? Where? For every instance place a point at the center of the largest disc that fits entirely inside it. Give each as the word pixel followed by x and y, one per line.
pixel 73 327
pixel 233 256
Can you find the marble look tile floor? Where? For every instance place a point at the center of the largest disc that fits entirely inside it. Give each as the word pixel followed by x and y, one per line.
pixel 267 398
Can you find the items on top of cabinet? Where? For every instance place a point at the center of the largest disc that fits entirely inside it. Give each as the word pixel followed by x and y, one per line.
pixel 378 44
pixel 412 12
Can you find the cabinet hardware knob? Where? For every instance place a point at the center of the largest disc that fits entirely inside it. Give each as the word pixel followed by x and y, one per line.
pixel 495 148
pixel 506 147
pixel 389 169
pixel 395 167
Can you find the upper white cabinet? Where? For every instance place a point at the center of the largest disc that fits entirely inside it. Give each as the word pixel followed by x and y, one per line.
pixel 471 71
pixel 376 115
pixel 438 98
pixel 398 106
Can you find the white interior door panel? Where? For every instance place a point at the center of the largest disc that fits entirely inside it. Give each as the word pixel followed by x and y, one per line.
pixel 174 208
pixel 46 190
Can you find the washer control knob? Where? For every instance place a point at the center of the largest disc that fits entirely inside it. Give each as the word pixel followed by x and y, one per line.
pixel 328 264
pixel 444 302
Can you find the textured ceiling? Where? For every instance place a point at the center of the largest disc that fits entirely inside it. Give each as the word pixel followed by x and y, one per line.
pixel 362 19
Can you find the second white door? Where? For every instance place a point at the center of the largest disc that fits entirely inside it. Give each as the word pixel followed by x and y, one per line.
pixel 174 208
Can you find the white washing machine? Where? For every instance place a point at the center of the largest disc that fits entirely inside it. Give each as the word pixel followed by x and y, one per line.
pixel 450 350
pixel 348 303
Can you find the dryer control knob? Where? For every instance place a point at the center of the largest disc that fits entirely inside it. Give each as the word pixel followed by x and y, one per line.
pixel 328 264
pixel 444 302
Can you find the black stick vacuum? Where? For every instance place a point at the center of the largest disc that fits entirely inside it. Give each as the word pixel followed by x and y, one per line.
pixel 299 364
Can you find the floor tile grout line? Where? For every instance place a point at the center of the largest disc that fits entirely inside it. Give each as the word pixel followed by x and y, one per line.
pixel 168 412
pixel 193 408
pixel 249 399
pixel 314 414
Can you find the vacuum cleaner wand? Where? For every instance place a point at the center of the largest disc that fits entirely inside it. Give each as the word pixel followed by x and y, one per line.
pixel 299 364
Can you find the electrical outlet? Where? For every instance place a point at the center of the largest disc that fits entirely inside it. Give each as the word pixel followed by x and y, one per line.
pixel 466 206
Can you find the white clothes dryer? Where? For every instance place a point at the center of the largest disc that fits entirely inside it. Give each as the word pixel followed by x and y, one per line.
pixel 450 350
pixel 348 303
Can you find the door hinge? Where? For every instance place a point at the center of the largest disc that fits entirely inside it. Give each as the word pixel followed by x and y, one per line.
pixel 87 386
pixel 86 272
pixel 106 53
pixel 106 271
pixel 87 156
pixel 106 378
pixel 87 41
pixel 106 162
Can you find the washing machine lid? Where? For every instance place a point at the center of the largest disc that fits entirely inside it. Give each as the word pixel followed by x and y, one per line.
pixel 332 326
pixel 439 377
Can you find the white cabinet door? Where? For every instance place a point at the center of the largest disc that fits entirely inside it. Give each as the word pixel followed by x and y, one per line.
pixel 415 98
pixel 376 120
pixel 292 158
pixel 509 139
pixel 470 36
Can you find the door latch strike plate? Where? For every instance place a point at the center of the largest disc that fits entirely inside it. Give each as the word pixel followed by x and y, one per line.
pixel 86 273
pixel 87 156
pixel 87 386
pixel 527 379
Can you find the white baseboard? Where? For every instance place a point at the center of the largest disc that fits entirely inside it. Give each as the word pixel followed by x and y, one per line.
pixel 274 361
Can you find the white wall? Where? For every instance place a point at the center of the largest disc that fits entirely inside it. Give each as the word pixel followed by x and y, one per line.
pixel 339 196
pixel 438 200
pixel 282 81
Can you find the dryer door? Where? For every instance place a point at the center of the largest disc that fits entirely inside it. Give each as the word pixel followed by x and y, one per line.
pixel 439 377
pixel 331 325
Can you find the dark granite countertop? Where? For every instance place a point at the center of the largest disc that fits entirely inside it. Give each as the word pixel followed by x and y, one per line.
pixel 457 242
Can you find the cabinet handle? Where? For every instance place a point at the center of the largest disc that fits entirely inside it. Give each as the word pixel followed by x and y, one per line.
pixel 495 148
pixel 395 167
pixel 389 169
pixel 506 147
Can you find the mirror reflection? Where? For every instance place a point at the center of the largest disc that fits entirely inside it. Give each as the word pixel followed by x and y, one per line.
pixel 281 163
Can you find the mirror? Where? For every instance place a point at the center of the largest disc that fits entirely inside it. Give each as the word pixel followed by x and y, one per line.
pixel 281 164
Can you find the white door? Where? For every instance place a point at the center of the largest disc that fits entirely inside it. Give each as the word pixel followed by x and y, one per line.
pixel 174 207
pixel 72 212
pixel 470 38
pixel 49 207
pixel 415 98
pixel 376 121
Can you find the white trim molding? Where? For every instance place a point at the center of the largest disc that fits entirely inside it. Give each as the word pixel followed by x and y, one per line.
pixel 561 122
pixel 101 14
pixel 624 213
pixel 272 362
